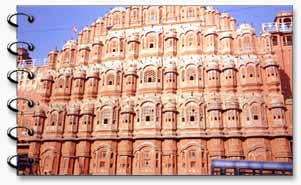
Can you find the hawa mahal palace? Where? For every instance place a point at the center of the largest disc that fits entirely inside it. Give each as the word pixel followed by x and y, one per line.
pixel 160 90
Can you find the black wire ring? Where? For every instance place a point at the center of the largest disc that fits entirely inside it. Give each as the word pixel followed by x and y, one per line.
pixel 30 18
pixel 30 132
pixel 30 75
pixel 30 47
pixel 30 103
pixel 9 161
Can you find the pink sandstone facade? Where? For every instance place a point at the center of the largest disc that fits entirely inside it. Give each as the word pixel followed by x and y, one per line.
pixel 159 90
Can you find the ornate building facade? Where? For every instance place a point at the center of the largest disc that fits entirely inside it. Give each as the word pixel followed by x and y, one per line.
pixel 157 90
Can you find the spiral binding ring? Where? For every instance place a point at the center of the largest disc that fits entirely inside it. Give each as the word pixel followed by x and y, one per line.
pixel 22 161
pixel 30 75
pixel 30 18
pixel 30 132
pixel 30 103
pixel 30 47
pixel 9 161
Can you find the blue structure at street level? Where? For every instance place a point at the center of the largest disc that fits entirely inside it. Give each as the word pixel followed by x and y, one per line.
pixel 239 167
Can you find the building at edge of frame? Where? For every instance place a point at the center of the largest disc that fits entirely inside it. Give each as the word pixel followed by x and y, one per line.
pixel 160 90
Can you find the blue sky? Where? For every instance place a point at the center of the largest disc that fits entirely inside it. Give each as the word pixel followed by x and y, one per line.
pixel 53 24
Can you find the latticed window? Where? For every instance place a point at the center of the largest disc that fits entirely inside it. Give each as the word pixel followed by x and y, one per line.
pixel 189 40
pixel 114 46
pixel 255 111
pixel 212 75
pixel 110 79
pixel 116 20
pixel 231 115
pixel 277 114
pixel 191 74
pixel 54 118
pixel 148 112
pixel 271 71
pixel 106 115
pixel 228 74
pixel 170 77
pixel 149 76
pixel 152 16
pixel 151 42
pixel 251 71
pixel 61 82
pixel 190 13
pixel 214 116
pixel 191 113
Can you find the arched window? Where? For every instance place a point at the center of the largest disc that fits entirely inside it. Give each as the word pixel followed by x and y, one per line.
pixel 110 79
pixel 255 111
pixel 61 82
pixel 190 13
pixel 106 115
pixel 191 73
pixel 251 71
pixel 151 41
pixel 152 16
pixel 189 39
pixel 116 19
pixel 149 76
pixel 192 112
pixel 114 46
pixel 54 118
pixel 148 112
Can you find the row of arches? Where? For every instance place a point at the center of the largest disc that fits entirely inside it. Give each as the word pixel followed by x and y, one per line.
pixel 152 15
pixel 155 79
pixel 151 117
pixel 152 157
pixel 153 43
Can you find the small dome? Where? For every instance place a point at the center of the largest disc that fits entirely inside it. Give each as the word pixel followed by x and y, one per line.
pixel 131 70
pixel 214 105
pixel 170 106
pixel 276 103
pixel 171 67
pixel 39 112
pixel 73 110
pixel 84 47
pixel 210 31
pixel 87 109
pixel 270 62
pixel 93 72
pixel 133 38
pixel 47 77
pixel 99 20
pixel 231 104
pixel 54 51
pixel 97 42
pixel 70 44
pixel 225 15
pixel 245 28
pixel 116 9
pixel 86 28
pixel 127 108
pixel 171 34
pixel 225 35
pixel 212 66
pixel 67 72
pixel 81 73
pixel 228 63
